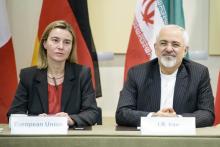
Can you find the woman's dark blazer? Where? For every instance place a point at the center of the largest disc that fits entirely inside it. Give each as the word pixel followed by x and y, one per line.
pixel 78 95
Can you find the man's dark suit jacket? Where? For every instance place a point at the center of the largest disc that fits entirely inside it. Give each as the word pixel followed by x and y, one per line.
pixel 78 95
pixel 142 90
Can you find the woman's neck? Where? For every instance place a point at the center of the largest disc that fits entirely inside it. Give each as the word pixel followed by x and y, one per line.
pixel 55 74
pixel 56 69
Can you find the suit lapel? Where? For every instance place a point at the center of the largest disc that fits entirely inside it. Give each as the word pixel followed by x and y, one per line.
pixel 42 88
pixel 153 88
pixel 156 91
pixel 180 88
pixel 67 85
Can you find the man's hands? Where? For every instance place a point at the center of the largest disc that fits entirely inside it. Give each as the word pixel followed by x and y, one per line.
pixel 165 112
pixel 70 121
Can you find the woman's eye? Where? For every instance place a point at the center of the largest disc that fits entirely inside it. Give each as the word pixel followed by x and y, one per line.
pixel 55 40
pixel 67 42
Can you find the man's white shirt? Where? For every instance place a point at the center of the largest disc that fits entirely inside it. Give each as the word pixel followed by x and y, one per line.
pixel 167 90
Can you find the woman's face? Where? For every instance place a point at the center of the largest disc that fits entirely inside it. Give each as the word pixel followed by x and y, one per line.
pixel 58 45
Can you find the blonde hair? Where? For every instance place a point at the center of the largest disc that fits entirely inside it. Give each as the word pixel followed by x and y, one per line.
pixel 61 24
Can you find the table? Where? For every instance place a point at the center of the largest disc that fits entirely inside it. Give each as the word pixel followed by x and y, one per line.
pixel 107 135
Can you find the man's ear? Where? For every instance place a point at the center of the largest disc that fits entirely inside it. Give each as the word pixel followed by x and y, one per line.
pixel 186 50
pixel 155 48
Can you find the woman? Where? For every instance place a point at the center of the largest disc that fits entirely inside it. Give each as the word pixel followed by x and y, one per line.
pixel 57 86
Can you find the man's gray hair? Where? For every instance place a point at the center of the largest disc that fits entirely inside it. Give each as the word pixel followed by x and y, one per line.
pixel 185 34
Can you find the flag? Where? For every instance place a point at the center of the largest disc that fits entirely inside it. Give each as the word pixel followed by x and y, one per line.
pixel 80 9
pixel 8 78
pixel 150 16
pixel 65 10
pixel 217 103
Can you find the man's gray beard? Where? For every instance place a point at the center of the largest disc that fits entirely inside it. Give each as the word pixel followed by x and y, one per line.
pixel 168 61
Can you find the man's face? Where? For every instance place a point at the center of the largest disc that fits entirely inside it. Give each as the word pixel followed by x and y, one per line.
pixel 170 47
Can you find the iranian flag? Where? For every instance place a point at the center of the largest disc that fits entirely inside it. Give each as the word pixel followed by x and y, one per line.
pixel 8 78
pixel 150 16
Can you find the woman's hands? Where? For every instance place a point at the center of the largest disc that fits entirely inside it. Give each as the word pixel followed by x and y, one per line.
pixel 70 120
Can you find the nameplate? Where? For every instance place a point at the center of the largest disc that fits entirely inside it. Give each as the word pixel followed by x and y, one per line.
pixel 38 125
pixel 168 126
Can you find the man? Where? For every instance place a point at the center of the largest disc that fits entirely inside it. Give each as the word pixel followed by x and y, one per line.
pixel 168 86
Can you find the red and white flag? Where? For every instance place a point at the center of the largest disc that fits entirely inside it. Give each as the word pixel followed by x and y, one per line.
pixel 217 103
pixel 8 78
pixel 150 16
pixel 146 22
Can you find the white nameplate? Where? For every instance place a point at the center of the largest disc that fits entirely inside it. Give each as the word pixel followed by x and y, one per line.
pixel 168 126
pixel 38 125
